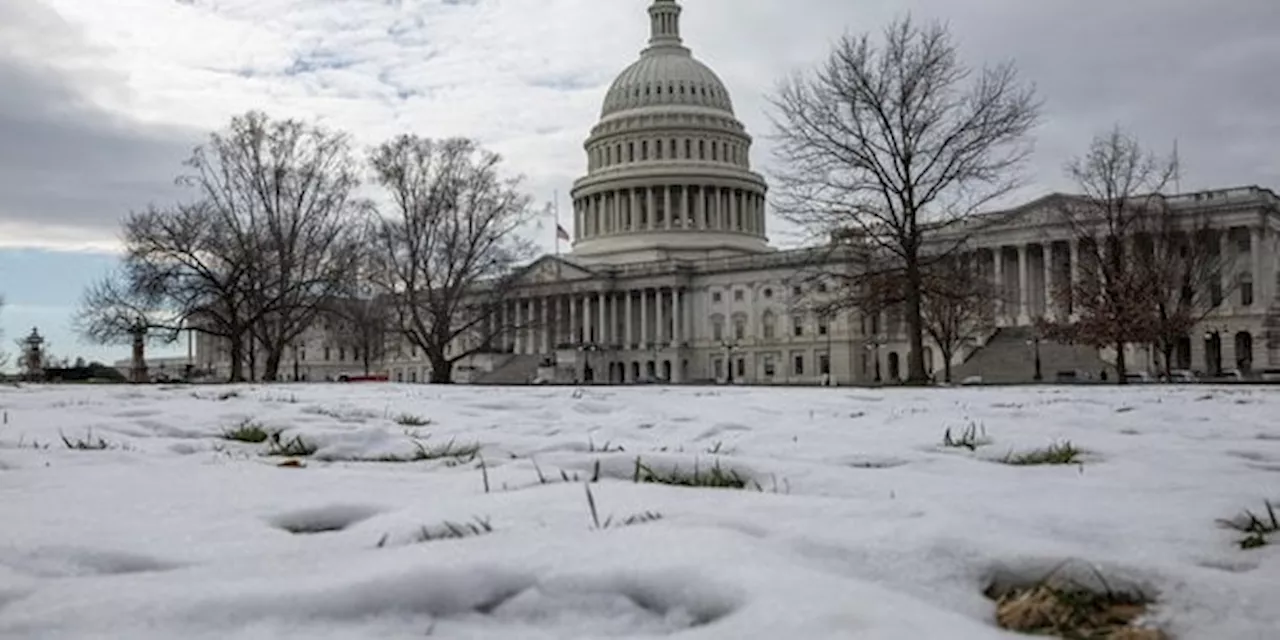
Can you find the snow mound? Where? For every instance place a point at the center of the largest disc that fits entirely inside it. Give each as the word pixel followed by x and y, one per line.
pixel 69 562
pixel 582 607
pixel 324 519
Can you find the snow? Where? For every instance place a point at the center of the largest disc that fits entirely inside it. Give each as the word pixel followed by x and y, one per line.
pixel 857 522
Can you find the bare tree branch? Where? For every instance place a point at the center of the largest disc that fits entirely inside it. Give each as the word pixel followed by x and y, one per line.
pixel 1148 272
pixel 285 191
pixel 449 256
pixel 113 311
pixel 886 144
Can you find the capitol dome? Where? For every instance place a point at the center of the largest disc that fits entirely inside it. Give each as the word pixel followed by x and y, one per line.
pixel 669 77
pixel 668 166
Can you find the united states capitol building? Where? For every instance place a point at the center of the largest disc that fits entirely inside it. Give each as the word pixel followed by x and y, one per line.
pixel 672 278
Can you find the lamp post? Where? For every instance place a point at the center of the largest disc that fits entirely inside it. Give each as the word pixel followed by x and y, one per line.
pixel 1034 343
pixel 873 345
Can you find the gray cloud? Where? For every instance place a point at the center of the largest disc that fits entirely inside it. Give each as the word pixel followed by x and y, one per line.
pixel 1204 73
pixel 527 78
pixel 65 162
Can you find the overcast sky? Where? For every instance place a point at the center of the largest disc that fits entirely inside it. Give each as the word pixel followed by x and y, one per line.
pixel 100 100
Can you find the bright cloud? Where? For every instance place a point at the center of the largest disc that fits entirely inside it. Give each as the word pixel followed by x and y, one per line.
pixel 111 95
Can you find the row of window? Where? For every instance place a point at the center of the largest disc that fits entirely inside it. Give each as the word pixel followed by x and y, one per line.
pixel 768 326
pixel 797 291
pixel 714 150
pixel 797 366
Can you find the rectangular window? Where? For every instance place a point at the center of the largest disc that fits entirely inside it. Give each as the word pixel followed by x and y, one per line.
pixel 737 295
pixel 326 354
pixel 1246 292
pixel 715 297
pixel 739 330
pixel 717 330
pixel 798 365
pixel 824 364
pixel 822 325
pixel 768 366
pixel 797 326
pixel 644 149
pixel 717 368
pixel 741 367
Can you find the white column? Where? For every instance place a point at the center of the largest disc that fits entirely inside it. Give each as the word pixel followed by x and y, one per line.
pixel 1046 287
pixel 701 213
pixel 630 337
pixel 602 333
pixel 1226 255
pixel 650 221
pixel 575 336
pixel 545 330
pixel 676 329
pixel 1259 277
pixel 666 195
pixel 644 318
pixel 1024 286
pixel 635 210
pixel 1002 291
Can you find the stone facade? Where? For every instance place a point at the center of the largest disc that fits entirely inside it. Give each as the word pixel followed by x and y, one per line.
pixel 671 277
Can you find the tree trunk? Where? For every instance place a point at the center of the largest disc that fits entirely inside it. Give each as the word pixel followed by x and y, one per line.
pixel 236 353
pixel 946 364
pixel 271 370
pixel 1166 352
pixel 441 369
pixel 1121 369
pixel 916 375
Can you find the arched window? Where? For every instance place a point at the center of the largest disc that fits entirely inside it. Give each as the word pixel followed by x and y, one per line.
pixel 1246 288
pixel 739 326
pixel 767 324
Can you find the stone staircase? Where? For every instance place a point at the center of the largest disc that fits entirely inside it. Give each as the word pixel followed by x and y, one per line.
pixel 1007 359
pixel 520 369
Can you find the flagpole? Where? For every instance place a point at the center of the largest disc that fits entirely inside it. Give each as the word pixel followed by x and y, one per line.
pixel 556 208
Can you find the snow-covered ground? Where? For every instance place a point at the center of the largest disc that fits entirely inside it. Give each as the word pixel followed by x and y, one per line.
pixel 862 524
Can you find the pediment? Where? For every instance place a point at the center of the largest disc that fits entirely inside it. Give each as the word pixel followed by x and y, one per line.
pixel 552 269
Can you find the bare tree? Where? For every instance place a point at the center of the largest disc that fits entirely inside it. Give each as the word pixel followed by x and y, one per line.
pixel 287 191
pixel 1181 255
pixel 1115 300
pixel 448 256
pixel 195 268
pixel 957 307
pixel 893 142
pixel 112 311
pixel 956 302
pixel 363 323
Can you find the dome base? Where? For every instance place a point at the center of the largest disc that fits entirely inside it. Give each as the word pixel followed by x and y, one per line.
pixel 668 245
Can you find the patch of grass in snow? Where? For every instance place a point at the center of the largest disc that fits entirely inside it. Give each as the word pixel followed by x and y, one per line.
pixel 446 531
pixel 247 431
pixel 971 437
pixel 609 522
pixel 1056 453
pixel 411 420
pixel 565 476
pixel 715 477
pixel 1073 612
pixel 605 448
pixel 87 443
pixel 1254 528
pixel 294 447
pixel 450 451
